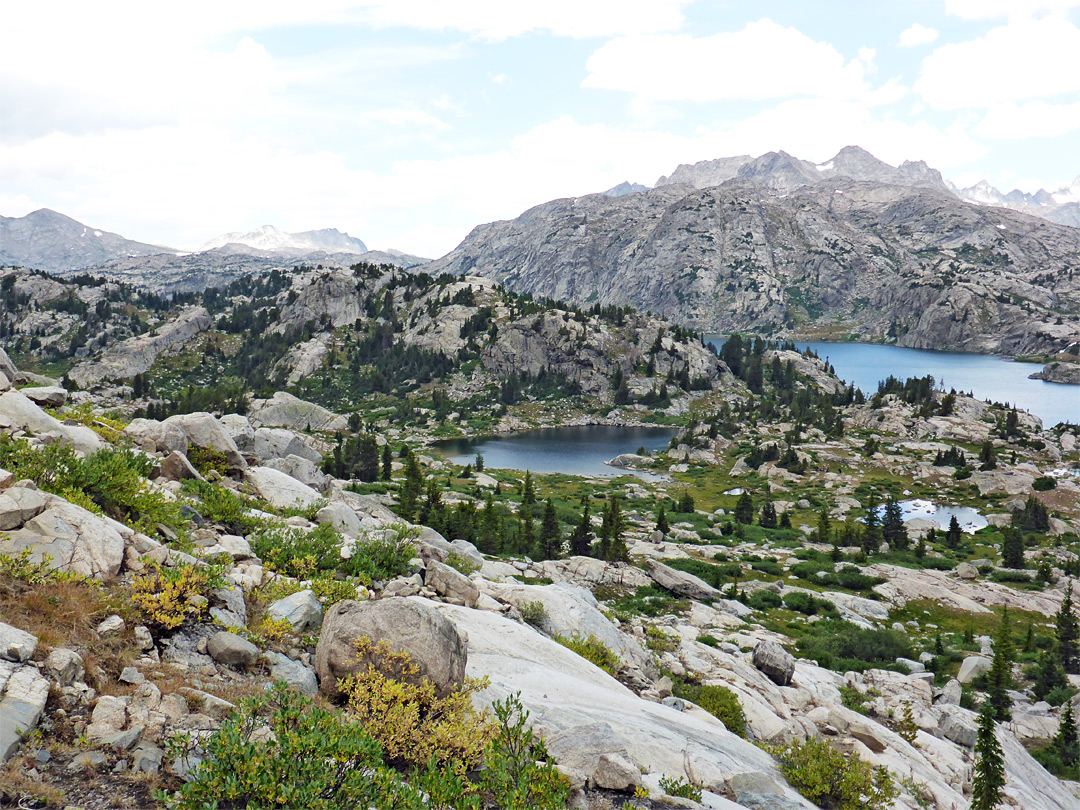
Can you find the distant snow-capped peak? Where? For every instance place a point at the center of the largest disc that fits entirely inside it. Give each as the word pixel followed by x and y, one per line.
pixel 270 239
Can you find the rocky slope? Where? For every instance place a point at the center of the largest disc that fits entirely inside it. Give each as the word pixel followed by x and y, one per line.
pixel 851 248
pixel 97 704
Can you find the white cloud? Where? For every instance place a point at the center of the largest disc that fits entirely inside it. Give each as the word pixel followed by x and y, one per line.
pixel 1032 119
pixel 762 61
pixel 995 9
pixel 498 19
pixel 918 34
pixel 408 118
pixel 1024 59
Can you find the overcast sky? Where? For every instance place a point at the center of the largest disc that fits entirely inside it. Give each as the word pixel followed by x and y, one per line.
pixel 407 122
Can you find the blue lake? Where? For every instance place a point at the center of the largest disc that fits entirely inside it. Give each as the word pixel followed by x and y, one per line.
pixel 997 379
pixel 570 450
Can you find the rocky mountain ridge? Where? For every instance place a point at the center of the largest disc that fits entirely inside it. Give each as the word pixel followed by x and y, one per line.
pixel 785 248
pixel 269 239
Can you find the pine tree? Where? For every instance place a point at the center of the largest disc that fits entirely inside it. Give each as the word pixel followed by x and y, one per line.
pixel 872 529
pixel 411 487
pixel 768 515
pixel 893 530
pixel 989 776
pixel 662 521
pixel 686 502
pixel 526 537
pixel 1012 547
pixel 528 494
pixel 549 545
pixel 999 678
pixel 1048 675
pixel 1068 635
pixel 387 462
pixel 785 520
pixel 617 550
pixel 581 539
pixel 744 509
pixel 1067 741
pixel 488 537
pixel 955 535
pixel 824 526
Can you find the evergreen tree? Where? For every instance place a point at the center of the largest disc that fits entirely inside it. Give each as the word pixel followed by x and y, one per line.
pixel 999 678
pixel 1068 635
pixel 744 508
pixel 526 535
pixel 411 487
pixel 662 521
pixel 488 536
pixel 824 525
pixel 581 539
pixel 549 544
pixel 989 776
pixel 872 529
pixel 1012 547
pixel 387 462
pixel 987 457
pixel 528 494
pixel 768 515
pixel 603 542
pixel 893 530
pixel 785 521
pixel 1067 741
pixel 955 535
pixel 686 502
pixel 1048 675
pixel 617 550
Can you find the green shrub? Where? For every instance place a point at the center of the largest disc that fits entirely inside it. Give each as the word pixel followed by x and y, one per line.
pixel 298 552
pixel 1043 483
pixel 715 575
pixel 205 459
pixel 223 506
pixel 518 774
pixel 680 788
pixel 382 557
pixel 805 603
pixel 764 600
pixel 533 613
pixel 723 704
pixel 853 699
pixel 110 482
pixel 832 780
pixel 648 600
pixel 853 579
pixel 842 646
pixel 461 563
pixel 709 641
pixel 592 650
pixel 659 641
pixel 771 567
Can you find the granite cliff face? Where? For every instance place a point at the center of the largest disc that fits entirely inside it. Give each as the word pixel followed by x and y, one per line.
pixel 789 248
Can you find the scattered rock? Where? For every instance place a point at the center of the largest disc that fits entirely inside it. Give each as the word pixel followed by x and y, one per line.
pixel 15 644
pixel 293 673
pixel 231 650
pixel 279 489
pixel 451 584
pixel 111 626
pixel 776 662
pixel 681 583
pixel 302 610
pixel 23 694
pixel 972 667
pixel 64 666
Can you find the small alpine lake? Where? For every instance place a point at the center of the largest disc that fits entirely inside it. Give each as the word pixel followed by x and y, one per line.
pixel 579 450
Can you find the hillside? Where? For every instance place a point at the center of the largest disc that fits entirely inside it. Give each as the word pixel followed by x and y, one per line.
pixel 771 252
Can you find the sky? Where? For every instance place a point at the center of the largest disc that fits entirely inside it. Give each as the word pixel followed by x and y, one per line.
pixel 408 122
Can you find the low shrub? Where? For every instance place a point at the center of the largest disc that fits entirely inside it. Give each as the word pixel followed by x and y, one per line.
pixel 407 717
pixel 843 646
pixel 592 650
pixel 721 703
pixel 659 641
pixel 223 506
pixel 1043 483
pixel 805 603
pixel 461 563
pixel 764 600
pixel 832 780
pixel 167 597
pixel 298 552
pixel 206 459
pixel 533 613
pixel 381 557
pixel 680 788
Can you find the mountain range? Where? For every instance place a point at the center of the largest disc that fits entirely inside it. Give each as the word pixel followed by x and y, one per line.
pixel 269 239
pixel 850 248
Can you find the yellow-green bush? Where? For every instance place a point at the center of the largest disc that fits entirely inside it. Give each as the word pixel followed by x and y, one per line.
pixel 592 650
pixel 411 722
pixel 832 780
pixel 169 596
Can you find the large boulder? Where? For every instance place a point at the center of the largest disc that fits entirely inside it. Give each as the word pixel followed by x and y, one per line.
pixel 271 443
pixel 240 431
pixel 48 396
pixel 231 650
pixel 303 470
pixel 157 437
pixel 341 517
pixel 285 410
pixel 776 662
pixel 409 625
pixel 451 584
pixel 74 540
pixel 680 583
pixel 19 412
pixel 972 667
pixel 203 430
pixel 279 489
